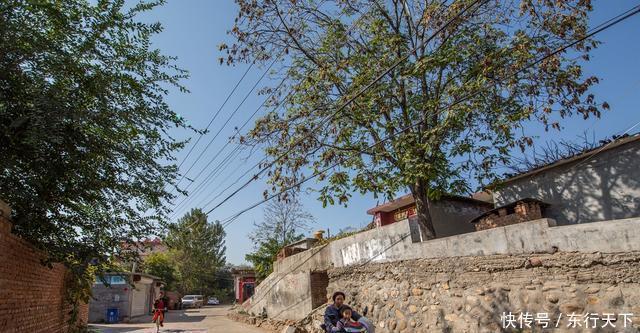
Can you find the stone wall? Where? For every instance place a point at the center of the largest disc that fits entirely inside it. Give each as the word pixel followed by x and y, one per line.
pixel 31 295
pixel 471 294
pixel 286 294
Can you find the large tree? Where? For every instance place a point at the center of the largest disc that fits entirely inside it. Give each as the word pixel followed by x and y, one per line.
pixel 451 109
pixel 83 127
pixel 162 265
pixel 283 222
pixel 198 249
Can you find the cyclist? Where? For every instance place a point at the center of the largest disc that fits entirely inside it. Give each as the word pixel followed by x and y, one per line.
pixel 159 307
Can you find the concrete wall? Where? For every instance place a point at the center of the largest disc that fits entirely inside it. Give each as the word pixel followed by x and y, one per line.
pixel 287 296
pixel 32 296
pixel 285 293
pixel 605 187
pixel 451 216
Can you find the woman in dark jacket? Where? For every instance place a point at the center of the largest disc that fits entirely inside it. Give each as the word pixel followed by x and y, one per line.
pixel 332 313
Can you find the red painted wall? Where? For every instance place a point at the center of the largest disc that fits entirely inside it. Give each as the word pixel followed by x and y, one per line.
pixel 241 283
pixel 385 218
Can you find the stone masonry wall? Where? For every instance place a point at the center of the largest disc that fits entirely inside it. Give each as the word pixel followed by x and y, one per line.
pixel 31 295
pixel 283 295
pixel 470 294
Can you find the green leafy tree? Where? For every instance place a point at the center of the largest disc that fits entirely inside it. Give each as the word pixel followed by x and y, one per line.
pixel 161 265
pixel 263 257
pixel 198 248
pixel 453 108
pixel 223 288
pixel 83 128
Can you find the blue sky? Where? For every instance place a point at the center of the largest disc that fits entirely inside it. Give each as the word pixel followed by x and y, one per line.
pixel 194 28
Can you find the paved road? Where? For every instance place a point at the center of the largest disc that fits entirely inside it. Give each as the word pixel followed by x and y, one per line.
pixel 204 320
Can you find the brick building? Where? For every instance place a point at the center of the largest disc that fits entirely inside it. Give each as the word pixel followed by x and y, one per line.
pixel 33 295
pixel 450 214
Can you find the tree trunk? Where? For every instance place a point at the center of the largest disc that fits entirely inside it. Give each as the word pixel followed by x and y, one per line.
pixel 419 191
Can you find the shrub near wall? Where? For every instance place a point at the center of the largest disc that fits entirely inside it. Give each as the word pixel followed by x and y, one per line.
pixel 473 294
pixel 31 295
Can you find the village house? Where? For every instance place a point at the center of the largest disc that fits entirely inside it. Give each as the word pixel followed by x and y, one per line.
pixel 596 185
pixel 151 246
pixel 244 283
pixel 122 296
pixel 450 214
pixel 296 247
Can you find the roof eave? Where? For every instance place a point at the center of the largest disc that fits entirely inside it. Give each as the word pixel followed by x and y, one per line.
pixel 574 158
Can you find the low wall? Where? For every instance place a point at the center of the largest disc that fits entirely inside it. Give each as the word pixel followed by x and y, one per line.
pixel 31 295
pixel 393 243
pixel 287 293
pixel 288 298
pixel 475 294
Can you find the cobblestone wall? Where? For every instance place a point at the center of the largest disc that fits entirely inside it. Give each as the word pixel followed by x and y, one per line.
pixel 475 294
pixel 31 295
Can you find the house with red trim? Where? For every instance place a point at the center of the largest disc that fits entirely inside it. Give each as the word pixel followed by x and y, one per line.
pixel 451 213
pixel 244 283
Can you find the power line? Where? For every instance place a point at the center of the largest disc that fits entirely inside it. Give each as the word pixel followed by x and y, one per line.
pixel 224 125
pixel 408 234
pixel 355 23
pixel 227 121
pixel 214 117
pixel 349 101
pixel 208 177
pixel 611 23
pixel 223 104
pixel 241 176
pixel 215 172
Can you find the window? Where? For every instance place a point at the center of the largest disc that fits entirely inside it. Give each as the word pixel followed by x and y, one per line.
pixel 111 280
pixel 118 279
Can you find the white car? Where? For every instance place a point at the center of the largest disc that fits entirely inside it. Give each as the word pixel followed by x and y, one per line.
pixel 213 301
pixel 192 301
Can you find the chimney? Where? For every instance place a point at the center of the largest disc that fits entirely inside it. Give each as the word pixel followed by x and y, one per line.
pixel 318 234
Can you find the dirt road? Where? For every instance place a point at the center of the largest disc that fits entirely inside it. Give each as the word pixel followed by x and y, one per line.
pixel 204 320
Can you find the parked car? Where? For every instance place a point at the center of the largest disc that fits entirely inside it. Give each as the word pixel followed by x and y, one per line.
pixel 174 299
pixel 192 301
pixel 213 301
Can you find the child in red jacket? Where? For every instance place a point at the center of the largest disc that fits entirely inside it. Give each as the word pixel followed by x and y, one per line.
pixel 347 323
pixel 158 313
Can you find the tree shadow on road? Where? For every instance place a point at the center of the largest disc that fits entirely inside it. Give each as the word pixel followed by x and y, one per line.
pixel 133 329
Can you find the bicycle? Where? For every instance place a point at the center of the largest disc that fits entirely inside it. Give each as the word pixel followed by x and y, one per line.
pixel 158 318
